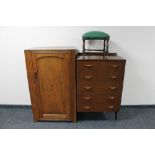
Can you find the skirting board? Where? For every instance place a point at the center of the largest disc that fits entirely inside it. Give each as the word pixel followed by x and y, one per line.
pixel 27 106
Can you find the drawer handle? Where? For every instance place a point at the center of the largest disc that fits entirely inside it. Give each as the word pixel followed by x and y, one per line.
pixel 87 88
pixel 113 77
pixel 112 88
pixel 114 66
pixel 111 107
pixel 87 107
pixel 88 66
pixel 111 98
pixel 88 77
pixel 87 98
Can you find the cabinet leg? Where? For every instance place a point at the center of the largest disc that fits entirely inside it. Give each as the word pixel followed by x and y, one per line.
pixel 115 115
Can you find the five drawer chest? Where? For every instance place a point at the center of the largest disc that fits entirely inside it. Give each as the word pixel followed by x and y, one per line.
pixel 99 82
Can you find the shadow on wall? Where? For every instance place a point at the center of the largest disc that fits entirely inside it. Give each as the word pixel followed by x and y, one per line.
pixel 136 86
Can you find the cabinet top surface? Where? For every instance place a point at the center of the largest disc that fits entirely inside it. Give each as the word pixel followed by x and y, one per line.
pixel 51 48
pixel 96 57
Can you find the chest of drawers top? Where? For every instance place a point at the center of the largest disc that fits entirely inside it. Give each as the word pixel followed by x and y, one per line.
pixel 100 57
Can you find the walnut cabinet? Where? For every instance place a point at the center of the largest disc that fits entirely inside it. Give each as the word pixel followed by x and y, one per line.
pixel 52 85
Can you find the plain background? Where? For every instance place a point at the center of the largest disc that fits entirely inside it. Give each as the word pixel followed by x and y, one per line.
pixel 135 43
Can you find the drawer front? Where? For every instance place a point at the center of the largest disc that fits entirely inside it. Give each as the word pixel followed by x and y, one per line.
pixel 114 66
pixel 112 88
pixel 108 98
pixel 86 87
pixel 113 99
pixel 88 65
pixel 91 98
pixel 87 77
pixel 99 87
pixel 112 77
pixel 97 108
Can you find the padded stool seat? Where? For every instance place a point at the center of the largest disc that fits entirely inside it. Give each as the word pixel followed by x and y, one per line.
pixel 96 35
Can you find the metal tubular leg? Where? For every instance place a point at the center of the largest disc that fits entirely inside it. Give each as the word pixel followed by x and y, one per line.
pixel 115 115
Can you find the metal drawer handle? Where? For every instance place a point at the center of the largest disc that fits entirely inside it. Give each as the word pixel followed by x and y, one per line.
pixel 111 107
pixel 111 98
pixel 88 65
pixel 88 77
pixel 112 88
pixel 87 98
pixel 87 107
pixel 113 77
pixel 114 66
pixel 88 88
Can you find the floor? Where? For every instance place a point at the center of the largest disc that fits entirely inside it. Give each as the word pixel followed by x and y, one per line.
pixel 20 117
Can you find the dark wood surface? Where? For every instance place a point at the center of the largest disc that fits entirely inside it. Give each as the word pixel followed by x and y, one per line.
pixel 92 53
pixel 99 82
pixel 52 85
pixel 98 57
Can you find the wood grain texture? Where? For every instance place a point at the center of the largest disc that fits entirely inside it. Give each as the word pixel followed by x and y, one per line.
pixel 72 81
pixel 31 83
pixel 54 79
pixel 103 91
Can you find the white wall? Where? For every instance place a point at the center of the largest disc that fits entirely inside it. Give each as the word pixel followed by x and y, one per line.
pixel 136 44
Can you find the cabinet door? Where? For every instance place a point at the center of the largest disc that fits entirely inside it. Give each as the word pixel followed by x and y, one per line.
pixel 52 79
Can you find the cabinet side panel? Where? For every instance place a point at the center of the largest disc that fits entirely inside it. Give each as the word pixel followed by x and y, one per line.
pixel 30 76
pixel 72 82
pixel 123 74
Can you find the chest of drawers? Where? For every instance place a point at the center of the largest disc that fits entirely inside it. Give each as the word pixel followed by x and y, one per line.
pixel 99 83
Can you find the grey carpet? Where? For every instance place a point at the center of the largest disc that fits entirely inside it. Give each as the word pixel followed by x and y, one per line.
pixel 128 118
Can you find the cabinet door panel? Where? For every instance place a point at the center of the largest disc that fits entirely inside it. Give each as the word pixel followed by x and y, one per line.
pixel 52 85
